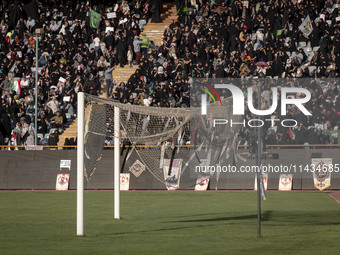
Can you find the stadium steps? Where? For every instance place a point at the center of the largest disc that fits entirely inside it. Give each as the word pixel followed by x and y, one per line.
pixel 154 31
pixel 119 74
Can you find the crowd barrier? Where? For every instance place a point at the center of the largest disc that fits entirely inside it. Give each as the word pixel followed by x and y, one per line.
pixel 65 147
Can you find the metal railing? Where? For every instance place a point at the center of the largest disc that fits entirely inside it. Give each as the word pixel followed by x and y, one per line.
pixel 59 147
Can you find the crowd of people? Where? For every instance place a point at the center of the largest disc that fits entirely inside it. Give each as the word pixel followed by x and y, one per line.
pixel 73 54
pixel 210 39
pixel 248 39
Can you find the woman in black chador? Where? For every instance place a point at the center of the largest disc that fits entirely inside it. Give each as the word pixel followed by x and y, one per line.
pixel 156 10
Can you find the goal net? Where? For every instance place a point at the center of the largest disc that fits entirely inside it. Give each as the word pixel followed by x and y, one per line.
pixel 158 134
pixel 153 133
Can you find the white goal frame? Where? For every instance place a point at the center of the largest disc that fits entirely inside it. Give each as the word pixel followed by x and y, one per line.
pixel 80 163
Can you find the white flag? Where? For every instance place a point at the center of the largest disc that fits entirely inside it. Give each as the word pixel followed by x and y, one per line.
pixel 306 27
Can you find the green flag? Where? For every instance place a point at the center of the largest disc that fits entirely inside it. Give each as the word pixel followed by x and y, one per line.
pixel 279 32
pixel 334 133
pixel 94 19
pixel 13 86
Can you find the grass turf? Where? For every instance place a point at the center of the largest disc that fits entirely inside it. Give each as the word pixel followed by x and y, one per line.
pixel 169 223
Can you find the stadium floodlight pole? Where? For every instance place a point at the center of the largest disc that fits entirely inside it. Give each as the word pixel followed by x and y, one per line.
pixel 80 164
pixel 38 31
pixel 116 162
pixel 259 172
pixel 36 90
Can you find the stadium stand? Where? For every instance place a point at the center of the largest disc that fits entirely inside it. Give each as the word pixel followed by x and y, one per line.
pixel 74 50
pixel 210 39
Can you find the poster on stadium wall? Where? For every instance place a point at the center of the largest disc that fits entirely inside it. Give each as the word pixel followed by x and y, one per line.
pixel 125 181
pixel 321 172
pixel 172 177
pixel 65 164
pixel 265 181
pixel 285 182
pixel 137 168
pixel 202 183
pixel 62 181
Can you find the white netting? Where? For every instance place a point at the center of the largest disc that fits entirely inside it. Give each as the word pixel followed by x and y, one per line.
pixel 155 134
pixel 151 132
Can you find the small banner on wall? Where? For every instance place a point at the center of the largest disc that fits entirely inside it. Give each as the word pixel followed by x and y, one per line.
pixel 124 181
pixel 265 181
pixel 172 178
pixel 137 168
pixel 34 148
pixel 65 164
pixel 202 183
pixel 62 181
pixel 321 172
pixel 285 182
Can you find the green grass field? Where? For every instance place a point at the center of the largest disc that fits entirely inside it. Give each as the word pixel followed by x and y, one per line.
pixel 169 223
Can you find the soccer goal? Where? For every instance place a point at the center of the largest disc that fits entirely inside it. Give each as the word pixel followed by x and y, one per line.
pixel 148 131
pixel 155 135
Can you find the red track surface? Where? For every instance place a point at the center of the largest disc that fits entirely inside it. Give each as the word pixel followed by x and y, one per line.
pixel 335 196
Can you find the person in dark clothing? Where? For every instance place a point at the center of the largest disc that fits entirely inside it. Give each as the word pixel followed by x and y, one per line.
pixel 301 134
pixel 121 48
pixel 156 10
pixel 313 137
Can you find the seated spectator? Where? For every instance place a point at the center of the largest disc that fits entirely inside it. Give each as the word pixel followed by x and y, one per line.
pixel 58 120
pixel 42 126
pixel 30 141
pixel 30 24
pixel 53 26
pixel 53 138
pixel 297 58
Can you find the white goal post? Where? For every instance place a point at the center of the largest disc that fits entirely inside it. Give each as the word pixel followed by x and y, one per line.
pixel 80 164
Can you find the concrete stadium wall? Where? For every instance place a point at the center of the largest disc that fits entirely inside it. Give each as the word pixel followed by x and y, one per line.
pixel 27 170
